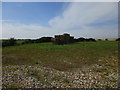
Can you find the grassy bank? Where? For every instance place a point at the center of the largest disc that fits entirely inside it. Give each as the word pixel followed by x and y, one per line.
pixel 61 57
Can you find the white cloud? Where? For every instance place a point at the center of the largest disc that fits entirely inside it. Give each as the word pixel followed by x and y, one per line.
pixel 80 14
pixel 76 15
pixel 23 30
pixel 96 32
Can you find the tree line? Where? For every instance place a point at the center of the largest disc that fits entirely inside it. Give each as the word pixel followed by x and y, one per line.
pixel 58 40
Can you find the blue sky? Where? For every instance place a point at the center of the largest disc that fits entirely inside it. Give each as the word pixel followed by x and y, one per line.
pixel 37 19
pixel 31 12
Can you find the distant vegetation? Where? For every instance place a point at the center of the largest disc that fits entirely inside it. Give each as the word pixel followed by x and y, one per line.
pixel 118 39
pixel 58 40
pixel 9 42
pixel 66 39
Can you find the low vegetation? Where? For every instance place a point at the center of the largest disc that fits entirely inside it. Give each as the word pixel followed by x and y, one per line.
pixel 60 57
pixel 58 40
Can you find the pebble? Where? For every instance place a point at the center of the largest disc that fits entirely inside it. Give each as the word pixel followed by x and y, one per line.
pixel 44 77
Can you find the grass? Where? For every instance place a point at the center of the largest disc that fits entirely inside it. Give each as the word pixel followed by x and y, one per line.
pixel 14 86
pixel 32 73
pixel 39 76
pixel 20 41
pixel 61 57
pixel 66 80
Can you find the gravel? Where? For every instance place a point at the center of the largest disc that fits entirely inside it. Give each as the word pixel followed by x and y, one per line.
pixel 94 76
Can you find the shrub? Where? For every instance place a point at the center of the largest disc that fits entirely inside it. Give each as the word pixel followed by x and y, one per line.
pixel 106 39
pixel 10 42
pixel 81 39
pixel 99 39
pixel 45 39
pixel 91 39
pixel 118 39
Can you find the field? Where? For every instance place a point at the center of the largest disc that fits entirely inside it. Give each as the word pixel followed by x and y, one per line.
pixel 47 54
pixel 66 58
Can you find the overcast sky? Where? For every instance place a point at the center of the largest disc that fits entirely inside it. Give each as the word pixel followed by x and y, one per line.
pixel 80 19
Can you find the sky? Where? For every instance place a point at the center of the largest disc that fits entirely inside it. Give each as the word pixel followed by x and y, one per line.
pixel 79 19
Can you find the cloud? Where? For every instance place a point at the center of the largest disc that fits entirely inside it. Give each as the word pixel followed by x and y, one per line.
pixel 80 14
pixel 96 32
pixel 24 30
pixel 88 19
pixel 85 15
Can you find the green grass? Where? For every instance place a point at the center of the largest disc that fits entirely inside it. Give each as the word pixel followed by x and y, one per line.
pixel 61 57
pixel 20 41
pixel 17 41
pixel 66 80
pixel 0 41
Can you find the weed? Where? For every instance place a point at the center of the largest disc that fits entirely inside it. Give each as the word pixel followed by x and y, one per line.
pixel 66 80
